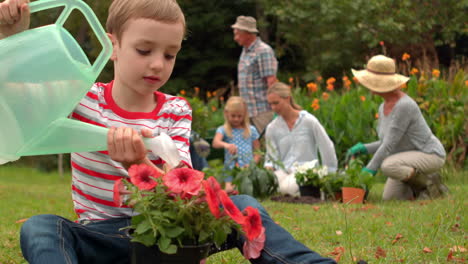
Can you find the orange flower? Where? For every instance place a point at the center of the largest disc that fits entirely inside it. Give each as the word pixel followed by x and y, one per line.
pixel 345 78
pixel 347 84
pixel 405 56
pixel 319 78
pixel 376 115
pixel 182 92
pixel 363 98
pixel 403 86
pixel 315 104
pixel 214 93
pixel 381 43
pixel 325 96
pixel 291 79
pixel 208 94
pixel 221 98
pixel 330 87
pixel 312 87
pixel 197 89
pixel 331 80
pixel 466 83
pixel 435 73
pixel 414 71
pixel 213 108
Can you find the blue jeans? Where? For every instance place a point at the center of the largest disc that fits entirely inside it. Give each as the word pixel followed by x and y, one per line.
pixel 50 239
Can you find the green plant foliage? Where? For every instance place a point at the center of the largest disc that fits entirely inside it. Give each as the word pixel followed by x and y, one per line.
pixel 168 221
pixel 255 181
pixel 206 116
pixel 356 178
pixel 332 184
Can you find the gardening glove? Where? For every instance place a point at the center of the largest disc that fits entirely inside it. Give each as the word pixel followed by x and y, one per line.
pixel 373 172
pixel 355 150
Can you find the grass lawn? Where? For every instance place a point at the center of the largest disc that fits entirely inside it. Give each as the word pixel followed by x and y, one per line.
pixel 378 232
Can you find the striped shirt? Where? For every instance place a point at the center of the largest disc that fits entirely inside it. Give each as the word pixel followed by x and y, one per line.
pixel 256 62
pixel 94 173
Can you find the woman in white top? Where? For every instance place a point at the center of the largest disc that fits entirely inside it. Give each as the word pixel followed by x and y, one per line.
pixel 295 136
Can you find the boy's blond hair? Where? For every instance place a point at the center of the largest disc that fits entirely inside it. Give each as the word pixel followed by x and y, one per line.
pixel 236 104
pixel 283 90
pixel 121 11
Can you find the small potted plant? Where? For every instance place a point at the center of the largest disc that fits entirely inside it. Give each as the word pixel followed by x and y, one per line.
pixel 356 183
pixel 331 185
pixel 255 180
pixel 309 178
pixel 180 215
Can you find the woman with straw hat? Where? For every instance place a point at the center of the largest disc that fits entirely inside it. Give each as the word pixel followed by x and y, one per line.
pixel 407 151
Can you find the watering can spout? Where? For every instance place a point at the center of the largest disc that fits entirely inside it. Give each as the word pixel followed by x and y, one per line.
pixel 66 135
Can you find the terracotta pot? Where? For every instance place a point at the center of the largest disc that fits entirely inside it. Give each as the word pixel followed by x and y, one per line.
pixel 310 190
pixel 353 195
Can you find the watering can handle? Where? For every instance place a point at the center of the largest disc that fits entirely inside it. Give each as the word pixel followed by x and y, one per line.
pixel 92 20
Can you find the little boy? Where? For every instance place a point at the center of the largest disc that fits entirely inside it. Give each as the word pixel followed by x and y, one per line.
pixel 146 36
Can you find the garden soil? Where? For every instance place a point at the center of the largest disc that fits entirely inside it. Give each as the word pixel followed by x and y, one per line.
pixel 291 199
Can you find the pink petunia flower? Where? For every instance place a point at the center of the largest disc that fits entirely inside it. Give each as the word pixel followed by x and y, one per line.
pixel 184 181
pixel 212 187
pixel 252 248
pixel 119 191
pixel 252 225
pixel 230 208
pixel 141 175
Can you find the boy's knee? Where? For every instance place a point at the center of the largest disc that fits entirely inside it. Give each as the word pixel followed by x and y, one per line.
pixel 242 201
pixel 38 223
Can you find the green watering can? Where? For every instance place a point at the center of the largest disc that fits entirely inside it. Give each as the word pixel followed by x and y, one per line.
pixel 44 74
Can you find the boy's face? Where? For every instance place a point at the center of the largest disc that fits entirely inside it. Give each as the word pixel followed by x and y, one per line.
pixel 145 55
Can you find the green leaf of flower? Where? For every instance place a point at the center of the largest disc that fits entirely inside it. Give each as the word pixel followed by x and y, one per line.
pixel 175 231
pixel 147 239
pixel 164 244
pixel 143 226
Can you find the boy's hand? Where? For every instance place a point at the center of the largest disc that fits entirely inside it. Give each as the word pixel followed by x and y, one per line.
pixel 126 146
pixel 14 17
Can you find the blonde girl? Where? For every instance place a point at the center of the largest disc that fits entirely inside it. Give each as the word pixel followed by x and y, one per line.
pixel 237 137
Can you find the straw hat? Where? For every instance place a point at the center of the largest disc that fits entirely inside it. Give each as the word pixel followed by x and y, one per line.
pixel 379 75
pixel 246 23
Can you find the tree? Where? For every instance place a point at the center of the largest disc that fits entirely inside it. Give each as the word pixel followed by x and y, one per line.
pixel 335 35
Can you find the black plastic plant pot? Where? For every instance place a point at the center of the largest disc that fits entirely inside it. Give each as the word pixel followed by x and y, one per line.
pixel 191 254
pixel 310 190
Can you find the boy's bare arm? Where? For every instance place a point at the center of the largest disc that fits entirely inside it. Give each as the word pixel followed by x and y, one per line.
pixel 14 17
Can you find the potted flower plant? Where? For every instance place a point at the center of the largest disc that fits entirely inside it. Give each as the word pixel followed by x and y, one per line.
pixel 179 215
pixel 356 182
pixel 309 177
